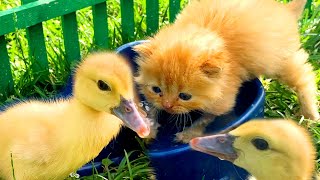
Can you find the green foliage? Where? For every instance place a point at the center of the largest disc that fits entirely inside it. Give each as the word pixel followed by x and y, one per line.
pixel 129 168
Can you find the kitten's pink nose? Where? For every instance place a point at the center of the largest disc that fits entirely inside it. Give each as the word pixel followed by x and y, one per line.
pixel 166 104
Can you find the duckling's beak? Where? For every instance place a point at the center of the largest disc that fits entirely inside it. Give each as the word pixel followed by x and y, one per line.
pixel 220 146
pixel 129 114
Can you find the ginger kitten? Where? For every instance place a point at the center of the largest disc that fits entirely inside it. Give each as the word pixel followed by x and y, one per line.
pixel 200 61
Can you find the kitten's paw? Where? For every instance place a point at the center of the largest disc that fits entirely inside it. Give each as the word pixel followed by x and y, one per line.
pixel 314 115
pixel 186 136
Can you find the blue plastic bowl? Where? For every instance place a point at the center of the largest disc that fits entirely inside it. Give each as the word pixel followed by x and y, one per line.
pixel 178 161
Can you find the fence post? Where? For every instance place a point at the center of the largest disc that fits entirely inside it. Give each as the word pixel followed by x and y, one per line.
pixel 37 48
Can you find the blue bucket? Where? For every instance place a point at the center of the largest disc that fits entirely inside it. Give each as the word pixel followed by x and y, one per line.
pixel 179 161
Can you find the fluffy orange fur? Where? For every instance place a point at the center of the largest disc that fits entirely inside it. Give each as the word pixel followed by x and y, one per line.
pixel 214 46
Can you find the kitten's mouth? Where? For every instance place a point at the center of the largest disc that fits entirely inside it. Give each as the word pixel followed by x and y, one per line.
pixel 171 111
pixel 194 115
pixel 177 122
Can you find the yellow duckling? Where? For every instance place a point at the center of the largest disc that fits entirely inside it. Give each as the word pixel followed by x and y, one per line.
pixel 49 140
pixel 268 149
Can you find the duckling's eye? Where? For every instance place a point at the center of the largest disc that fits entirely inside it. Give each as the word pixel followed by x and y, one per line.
pixel 103 86
pixel 185 96
pixel 260 143
pixel 156 89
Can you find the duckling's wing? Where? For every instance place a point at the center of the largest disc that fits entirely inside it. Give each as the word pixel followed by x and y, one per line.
pixel 26 133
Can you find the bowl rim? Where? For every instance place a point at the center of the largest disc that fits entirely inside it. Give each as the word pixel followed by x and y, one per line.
pixel 241 119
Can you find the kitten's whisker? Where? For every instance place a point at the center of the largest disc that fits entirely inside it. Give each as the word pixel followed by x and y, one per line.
pixel 189 118
pixel 181 121
pixel 156 112
pixel 184 120
pixel 178 120
pixel 199 112
pixel 171 118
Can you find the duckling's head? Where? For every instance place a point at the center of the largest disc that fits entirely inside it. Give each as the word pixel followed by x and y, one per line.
pixel 104 82
pixel 267 149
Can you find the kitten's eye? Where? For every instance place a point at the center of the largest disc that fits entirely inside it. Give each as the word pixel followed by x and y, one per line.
pixel 260 143
pixel 103 86
pixel 156 89
pixel 185 96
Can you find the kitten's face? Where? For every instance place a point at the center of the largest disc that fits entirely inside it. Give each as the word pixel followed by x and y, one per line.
pixel 173 89
pixel 181 78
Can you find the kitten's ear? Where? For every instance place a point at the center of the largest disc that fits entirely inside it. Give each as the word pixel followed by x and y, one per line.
pixel 216 62
pixel 211 69
pixel 144 49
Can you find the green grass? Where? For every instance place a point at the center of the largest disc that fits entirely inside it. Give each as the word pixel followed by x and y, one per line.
pixel 12 166
pixel 28 86
pixel 128 168
pixel 280 101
